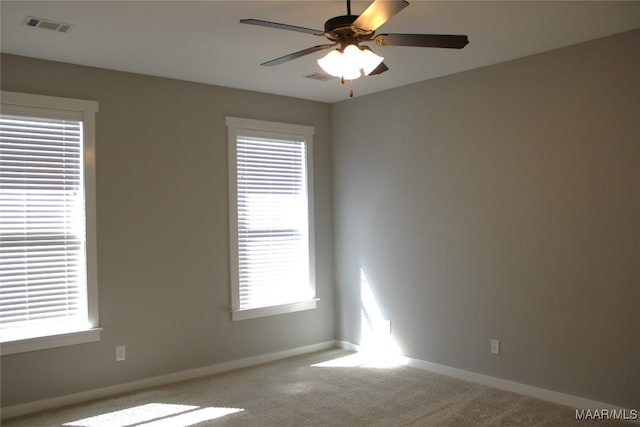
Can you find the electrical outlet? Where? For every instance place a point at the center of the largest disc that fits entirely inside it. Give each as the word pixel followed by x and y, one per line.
pixel 121 353
pixel 495 346
pixel 386 327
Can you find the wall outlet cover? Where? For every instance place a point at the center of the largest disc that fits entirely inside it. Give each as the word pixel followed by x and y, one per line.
pixel 386 327
pixel 121 353
pixel 495 346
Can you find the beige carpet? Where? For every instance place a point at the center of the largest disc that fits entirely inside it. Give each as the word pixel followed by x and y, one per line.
pixel 333 388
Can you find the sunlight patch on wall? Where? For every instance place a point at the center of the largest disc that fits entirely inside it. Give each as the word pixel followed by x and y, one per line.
pixel 377 347
pixel 374 336
pixel 156 415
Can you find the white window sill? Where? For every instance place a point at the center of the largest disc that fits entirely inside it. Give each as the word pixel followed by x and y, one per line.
pixel 273 310
pixel 50 341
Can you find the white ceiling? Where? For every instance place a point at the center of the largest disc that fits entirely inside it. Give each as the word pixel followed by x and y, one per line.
pixel 203 41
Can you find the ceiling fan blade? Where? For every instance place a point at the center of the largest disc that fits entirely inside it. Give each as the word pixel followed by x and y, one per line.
pixel 379 69
pixel 298 54
pixel 450 41
pixel 378 12
pixel 269 24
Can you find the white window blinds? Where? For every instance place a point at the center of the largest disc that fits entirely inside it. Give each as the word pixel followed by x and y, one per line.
pixel 42 224
pixel 272 224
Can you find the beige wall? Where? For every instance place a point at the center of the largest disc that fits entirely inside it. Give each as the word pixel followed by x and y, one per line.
pixel 163 230
pixel 502 202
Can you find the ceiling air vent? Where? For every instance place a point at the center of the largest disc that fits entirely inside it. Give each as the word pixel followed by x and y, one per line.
pixel 323 77
pixel 32 21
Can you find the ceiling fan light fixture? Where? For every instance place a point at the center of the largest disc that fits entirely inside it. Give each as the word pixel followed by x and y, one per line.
pixel 341 65
pixel 347 64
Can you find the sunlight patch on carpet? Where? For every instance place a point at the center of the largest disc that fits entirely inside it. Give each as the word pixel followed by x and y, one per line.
pixel 156 415
pixel 364 359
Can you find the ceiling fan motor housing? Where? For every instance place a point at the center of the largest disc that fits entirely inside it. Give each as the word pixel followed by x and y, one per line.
pixel 339 28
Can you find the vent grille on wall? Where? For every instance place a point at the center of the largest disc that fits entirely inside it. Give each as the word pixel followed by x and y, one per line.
pixel 32 21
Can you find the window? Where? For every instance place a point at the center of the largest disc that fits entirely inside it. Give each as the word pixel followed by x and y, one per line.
pixel 271 211
pixel 48 278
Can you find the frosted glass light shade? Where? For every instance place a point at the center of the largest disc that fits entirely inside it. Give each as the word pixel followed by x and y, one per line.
pixel 369 60
pixel 350 73
pixel 332 63
pixel 351 57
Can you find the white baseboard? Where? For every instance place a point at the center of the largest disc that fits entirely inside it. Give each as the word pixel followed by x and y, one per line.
pixel 346 345
pixel 574 402
pixel 524 389
pixel 56 402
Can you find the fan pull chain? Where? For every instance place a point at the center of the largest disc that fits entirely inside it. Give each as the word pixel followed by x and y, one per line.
pixel 350 86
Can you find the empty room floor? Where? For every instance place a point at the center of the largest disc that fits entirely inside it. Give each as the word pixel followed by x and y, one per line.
pixel 329 388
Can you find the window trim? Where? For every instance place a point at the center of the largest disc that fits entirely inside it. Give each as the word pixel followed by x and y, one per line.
pixel 282 129
pixel 76 109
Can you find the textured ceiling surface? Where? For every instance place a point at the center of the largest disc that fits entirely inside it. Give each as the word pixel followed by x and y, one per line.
pixel 203 41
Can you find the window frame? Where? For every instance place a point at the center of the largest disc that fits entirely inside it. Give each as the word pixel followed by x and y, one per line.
pixel 74 109
pixel 235 126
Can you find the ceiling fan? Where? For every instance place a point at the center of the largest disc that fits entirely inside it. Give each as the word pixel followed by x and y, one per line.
pixel 350 60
